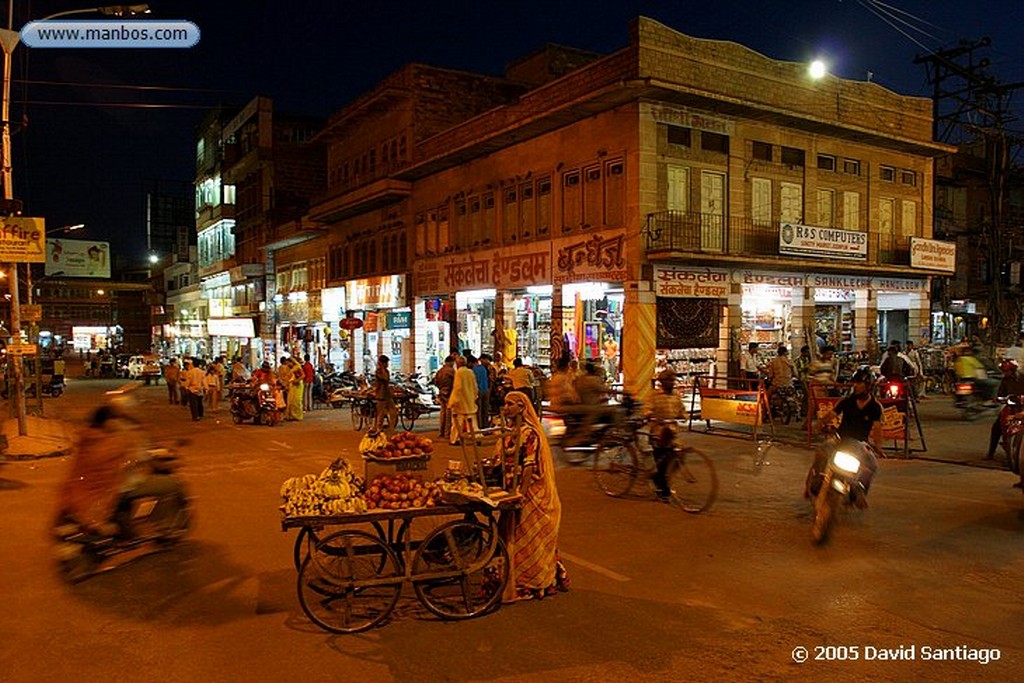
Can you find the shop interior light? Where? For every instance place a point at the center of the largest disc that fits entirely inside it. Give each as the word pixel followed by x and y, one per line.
pixel 474 296
pixel 540 290
pixel 588 291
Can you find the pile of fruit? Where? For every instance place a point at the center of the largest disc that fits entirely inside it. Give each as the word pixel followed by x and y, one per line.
pixel 338 490
pixel 400 492
pixel 404 445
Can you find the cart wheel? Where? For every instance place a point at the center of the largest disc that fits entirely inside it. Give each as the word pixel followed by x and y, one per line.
pixel 349 582
pixel 693 481
pixel 305 542
pixel 615 468
pixel 463 569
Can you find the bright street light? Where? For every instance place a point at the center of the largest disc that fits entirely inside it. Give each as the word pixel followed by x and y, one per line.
pixel 817 69
pixel 154 259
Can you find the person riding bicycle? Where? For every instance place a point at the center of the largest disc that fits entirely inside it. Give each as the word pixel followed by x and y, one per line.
pixel 859 416
pixel 665 408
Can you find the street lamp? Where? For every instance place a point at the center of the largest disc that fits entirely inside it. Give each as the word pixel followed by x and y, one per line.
pixel 9 41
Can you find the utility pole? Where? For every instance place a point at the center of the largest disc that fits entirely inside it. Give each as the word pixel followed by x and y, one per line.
pixel 971 106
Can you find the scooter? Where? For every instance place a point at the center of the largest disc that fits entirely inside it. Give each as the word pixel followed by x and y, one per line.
pixel 143 523
pixel 258 404
pixel 968 400
pixel 842 479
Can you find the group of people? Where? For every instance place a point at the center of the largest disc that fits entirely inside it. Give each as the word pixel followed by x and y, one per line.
pixel 201 385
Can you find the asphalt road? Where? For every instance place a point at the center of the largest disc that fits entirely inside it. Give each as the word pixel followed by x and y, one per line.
pixel 934 566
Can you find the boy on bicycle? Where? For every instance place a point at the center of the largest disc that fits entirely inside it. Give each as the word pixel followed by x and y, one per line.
pixel 665 408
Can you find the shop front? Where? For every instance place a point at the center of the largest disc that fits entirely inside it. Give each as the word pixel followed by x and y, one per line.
pixel 903 309
pixel 186 337
pixel 232 337
pixel 371 300
pixel 690 313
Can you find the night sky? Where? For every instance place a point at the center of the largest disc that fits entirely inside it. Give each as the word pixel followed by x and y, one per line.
pixel 89 147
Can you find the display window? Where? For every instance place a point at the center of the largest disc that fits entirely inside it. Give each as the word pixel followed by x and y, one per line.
pixel 533 326
pixel 475 317
pixel 596 331
pixel 834 318
pixel 767 313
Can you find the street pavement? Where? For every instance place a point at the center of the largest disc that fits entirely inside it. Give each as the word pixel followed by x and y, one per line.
pixel 657 595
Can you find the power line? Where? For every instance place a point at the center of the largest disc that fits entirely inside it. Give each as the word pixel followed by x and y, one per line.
pixel 117 86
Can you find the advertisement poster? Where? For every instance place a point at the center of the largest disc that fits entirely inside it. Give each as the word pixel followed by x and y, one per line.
pixel 22 240
pixel 730 405
pixel 77 258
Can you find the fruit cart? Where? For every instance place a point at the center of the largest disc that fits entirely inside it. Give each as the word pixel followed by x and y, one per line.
pixel 352 567
pixel 361 541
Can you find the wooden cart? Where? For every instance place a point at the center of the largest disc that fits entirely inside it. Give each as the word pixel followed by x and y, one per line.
pixel 352 568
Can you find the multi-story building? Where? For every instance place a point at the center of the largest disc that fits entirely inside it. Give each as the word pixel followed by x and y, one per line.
pixel 677 198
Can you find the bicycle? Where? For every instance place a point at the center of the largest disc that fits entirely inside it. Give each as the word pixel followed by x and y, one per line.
pixel 619 462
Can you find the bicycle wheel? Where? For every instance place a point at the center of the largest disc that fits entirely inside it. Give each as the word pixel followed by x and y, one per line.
pixel 693 481
pixel 615 468
pixel 357 415
pixel 407 415
pixel 463 567
pixel 349 582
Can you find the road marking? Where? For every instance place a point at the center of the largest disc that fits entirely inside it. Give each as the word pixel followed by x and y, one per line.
pixel 946 496
pixel 604 571
pixel 282 444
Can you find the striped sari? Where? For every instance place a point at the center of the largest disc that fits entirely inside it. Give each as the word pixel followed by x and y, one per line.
pixel 531 533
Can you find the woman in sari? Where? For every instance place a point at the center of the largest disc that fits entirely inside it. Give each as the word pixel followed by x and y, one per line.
pixel 295 390
pixel 531 532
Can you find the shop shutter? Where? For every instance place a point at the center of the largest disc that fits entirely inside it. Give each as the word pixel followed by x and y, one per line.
pixel 687 323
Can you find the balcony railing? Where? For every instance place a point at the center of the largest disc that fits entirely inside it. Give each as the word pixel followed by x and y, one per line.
pixel 704 233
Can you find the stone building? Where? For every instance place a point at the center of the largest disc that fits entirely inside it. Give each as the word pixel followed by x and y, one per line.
pixel 675 200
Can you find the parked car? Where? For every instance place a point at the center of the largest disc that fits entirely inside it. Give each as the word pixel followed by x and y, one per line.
pixel 145 367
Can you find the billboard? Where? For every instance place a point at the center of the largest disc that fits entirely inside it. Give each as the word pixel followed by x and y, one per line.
pixel 77 258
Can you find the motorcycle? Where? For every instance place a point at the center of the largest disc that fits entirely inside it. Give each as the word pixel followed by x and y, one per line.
pixel 255 403
pixel 967 398
pixel 1011 429
pixel 840 476
pixel 786 404
pixel 142 521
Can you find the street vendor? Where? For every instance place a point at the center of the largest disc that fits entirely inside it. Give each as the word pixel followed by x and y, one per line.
pixel 531 532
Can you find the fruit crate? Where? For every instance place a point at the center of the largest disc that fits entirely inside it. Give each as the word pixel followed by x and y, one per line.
pixel 378 465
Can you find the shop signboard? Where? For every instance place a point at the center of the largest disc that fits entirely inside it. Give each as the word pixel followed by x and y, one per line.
pixel 893 284
pixel 932 254
pixel 599 257
pixel 831 281
pixel 699 283
pixel 775 279
pixel 730 405
pixel 231 327
pixel 332 304
pixel 23 240
pixel 819 242
pixel 387 291
pixel 350 324
pixel 516 267
pixel 399 320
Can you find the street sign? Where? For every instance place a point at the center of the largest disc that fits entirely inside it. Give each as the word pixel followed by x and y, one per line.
pixel 350 323
pixel 22 350
pixel 31 313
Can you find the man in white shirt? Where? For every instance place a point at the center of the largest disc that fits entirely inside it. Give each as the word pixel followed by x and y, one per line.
pixel 193 379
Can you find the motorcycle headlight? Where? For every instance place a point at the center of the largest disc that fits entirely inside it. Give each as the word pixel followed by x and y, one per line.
pixel 264 387
pixel 846 462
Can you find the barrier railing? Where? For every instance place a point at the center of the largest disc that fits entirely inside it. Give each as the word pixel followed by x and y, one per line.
pixel 725 404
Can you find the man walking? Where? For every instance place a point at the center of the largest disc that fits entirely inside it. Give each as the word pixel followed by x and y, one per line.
pixel 172 374
pixel 194 383
pixel 444 380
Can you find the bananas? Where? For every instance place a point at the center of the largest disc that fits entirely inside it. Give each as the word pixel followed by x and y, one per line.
pixel 337 491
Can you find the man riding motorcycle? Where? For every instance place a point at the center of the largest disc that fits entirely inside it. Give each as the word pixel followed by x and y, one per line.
pixel 104 476
pixel 1012 383
pixel 859 416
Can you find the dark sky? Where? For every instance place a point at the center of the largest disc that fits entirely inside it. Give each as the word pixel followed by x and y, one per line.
pixel 88 147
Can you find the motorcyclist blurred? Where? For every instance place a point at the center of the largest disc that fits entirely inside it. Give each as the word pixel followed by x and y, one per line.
pixel 105 471
pixel 969 368
pixel 859 417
